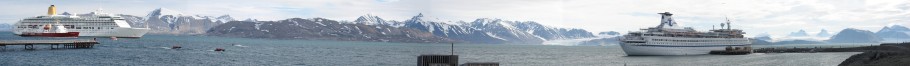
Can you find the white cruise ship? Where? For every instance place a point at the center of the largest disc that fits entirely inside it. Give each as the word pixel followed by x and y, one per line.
pixel 97 24
pixel 670 39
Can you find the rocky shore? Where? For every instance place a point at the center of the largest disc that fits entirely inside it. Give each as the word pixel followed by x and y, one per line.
pixel 886 54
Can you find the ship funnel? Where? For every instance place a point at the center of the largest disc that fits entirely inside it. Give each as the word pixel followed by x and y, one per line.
pixel 52 10
pixel 666 20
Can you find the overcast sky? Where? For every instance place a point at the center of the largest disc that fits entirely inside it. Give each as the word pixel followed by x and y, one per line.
pixel 776 17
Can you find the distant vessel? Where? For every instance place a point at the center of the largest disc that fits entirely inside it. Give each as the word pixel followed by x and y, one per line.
pixel 96 24
pixel 669 39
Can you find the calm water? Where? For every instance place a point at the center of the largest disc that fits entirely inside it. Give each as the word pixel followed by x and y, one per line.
pixel 153 50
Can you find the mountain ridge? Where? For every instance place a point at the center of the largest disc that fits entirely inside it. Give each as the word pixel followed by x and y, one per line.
pixel 481 30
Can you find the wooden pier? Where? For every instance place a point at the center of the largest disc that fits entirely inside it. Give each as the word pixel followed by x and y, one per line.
pixel 54 44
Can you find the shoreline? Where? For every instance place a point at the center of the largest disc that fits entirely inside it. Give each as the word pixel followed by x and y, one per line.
pixel 886 54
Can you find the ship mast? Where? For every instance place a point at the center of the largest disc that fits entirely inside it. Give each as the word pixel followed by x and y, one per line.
pixel 728 23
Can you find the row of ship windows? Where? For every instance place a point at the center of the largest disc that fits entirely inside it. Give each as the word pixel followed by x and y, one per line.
pixel 693 40
pixel 102 18
pixel 71 21
pixel 676 43
pixel 66 26
pixel 694 36
pixel 67 20
pixel 92 24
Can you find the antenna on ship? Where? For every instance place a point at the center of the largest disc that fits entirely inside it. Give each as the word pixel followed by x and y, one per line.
pixel 728 23
pixel 100 10
pixel 727 18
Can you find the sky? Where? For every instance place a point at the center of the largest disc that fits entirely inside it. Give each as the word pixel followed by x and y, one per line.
pixel 775 17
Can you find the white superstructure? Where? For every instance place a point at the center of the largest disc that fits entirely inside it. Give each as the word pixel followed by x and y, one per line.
pixel 669 39
pixel 94 24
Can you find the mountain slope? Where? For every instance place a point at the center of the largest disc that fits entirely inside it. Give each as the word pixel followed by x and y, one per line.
pixel 323 29
pixel 495 31
pixel 166 21
pixel 823 33
pixel 375 20
pixel 895 31
pixel 416 29
pixel 852 35
pixel 801 33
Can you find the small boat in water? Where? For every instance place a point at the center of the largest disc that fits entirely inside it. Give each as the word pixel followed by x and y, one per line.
pixel 176 47
pixel 219 49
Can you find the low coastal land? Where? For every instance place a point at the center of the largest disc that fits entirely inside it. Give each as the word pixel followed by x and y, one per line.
pixel 886 54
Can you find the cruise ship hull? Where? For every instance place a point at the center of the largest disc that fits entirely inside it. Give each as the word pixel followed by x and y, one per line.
pixel 96 24
pixel 116 32
pixel 121 32
pixel 670 39
pixel 67 34
pixel 658 50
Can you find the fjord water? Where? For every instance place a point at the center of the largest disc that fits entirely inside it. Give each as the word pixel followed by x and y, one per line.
pixel 197 50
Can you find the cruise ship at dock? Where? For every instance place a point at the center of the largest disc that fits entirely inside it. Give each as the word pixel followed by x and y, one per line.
pixel 96 24
pixel 670 39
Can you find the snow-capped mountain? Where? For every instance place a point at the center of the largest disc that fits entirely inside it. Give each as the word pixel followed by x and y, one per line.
pixel 417 29
pixel 803 36
pixel 551 33
pixel 66 13
pixel 458 32
pixel 370 20
pixel 323 29
pixel 250 20
pixel 375 20
pixel 823 33
pixel 894 32
pixel 224 18
pixel 801 33
pixel 134 21
pixel 168 21
pixel 505 31
pixel 799 42
pixel 495 31
pixel 611 33
pixel 852 35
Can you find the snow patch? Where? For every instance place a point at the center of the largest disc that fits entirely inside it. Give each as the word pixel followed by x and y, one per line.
pixel 320 23
pixel 538 37
pixel 257 25
pixel 494 36
pixel 232 29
